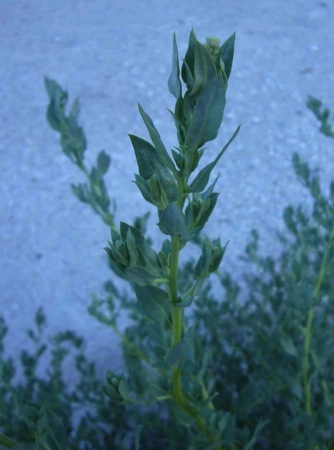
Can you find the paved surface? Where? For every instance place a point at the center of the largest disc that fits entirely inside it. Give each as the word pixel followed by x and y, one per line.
pixel 112 54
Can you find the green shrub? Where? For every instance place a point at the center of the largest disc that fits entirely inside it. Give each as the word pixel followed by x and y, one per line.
pixel 249 368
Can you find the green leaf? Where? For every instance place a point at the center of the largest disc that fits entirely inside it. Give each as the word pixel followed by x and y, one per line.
pixel 116 256
pixel 141 275
pixel 73 139
pixel 147 157
pixel 40 319
pixel 182 352
pixel 202 266
pixel 51 430
pixel 155 136
pixel 75 109
pixel 147 252
pixel 189 76
pixel 288 346
pixel 144 189
pixel 132 248
pixel 58 99
pixel 179 159
pixel 202 178
pixel 226 55
pixel 154 302
pixel 189 59
pixel 81 192
pixel 103 162
pixel 296 388
pixel 174 83
pixel 208 113
pixel 172 222
pixel 204 68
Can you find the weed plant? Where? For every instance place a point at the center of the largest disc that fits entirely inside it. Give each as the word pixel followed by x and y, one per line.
pixel 251 367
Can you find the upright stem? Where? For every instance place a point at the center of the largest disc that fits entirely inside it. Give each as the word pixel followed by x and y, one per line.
pixel 177 317
pixel 177 330
pixel 307 344
pixel 308 331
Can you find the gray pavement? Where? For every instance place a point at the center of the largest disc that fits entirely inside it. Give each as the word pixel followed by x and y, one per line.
pixel 113 54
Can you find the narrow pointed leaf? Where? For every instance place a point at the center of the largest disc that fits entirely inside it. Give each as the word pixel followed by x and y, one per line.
pixel 203 176
pixel 204 217
pixel 149 255
pixel 226 54
pixel 141 276
pixel 154 302
pixel 184 351
pixel 143 187
pixel 189 58
pixel 132 248
pixel 147 157
pixel 174 83
pixel 204 68
pixel 156 139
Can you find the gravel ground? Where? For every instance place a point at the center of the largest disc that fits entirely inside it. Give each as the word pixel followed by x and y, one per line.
pixel 113 54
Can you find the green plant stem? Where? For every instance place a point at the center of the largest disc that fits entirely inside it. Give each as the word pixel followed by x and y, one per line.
pixel 177 329
pixel 308 330
pixel 177 325
pixel 177 317
pixel 307 343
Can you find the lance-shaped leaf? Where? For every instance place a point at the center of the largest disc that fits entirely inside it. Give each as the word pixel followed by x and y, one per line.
pixel 144 189
pixel 103 162
pixel 147 157
pixel 156 139
pixel 189 59
pixel 184 351
pixel 208 113
pixel 132 248
pixel 51 430
pixel 58 99
pixel 192 292
pixel 205 212
pixel 142 276
pixel 217 255
pixel 204 68
pixel 172 222
pixel 226 54
pixel 167 184
pixel 154 302
pixel 203 176
pixel 146 250
pixel 202 266
pixel 179 120
pixel 174 83
pixel 178 158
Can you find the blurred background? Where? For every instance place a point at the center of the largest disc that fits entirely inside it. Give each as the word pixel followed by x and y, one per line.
pixel 113 54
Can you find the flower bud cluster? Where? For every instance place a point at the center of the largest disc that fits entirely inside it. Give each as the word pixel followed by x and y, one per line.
pixel 132 257
pixel 205 71
pixel 212 254
pixel 157 189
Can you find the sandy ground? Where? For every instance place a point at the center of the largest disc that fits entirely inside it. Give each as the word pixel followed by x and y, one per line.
pixel 113 54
